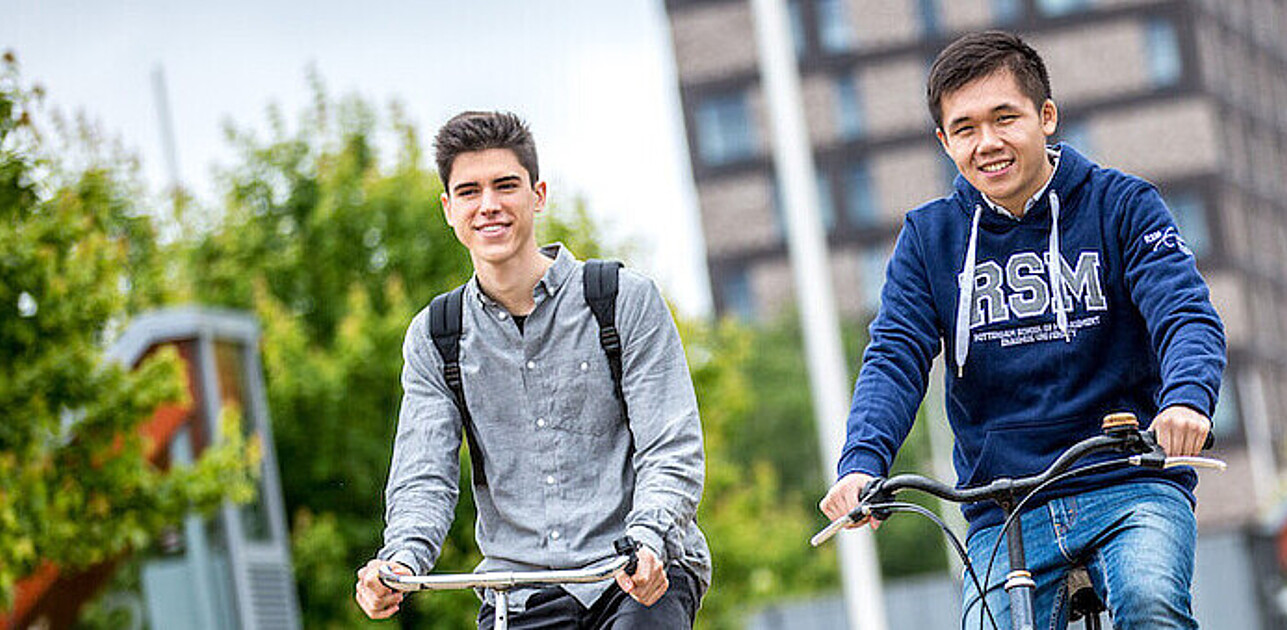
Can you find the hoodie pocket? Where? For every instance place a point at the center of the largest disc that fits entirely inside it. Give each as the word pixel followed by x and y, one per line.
pixel 1022 450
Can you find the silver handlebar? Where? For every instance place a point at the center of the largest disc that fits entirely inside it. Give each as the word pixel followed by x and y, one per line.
pixel 501 580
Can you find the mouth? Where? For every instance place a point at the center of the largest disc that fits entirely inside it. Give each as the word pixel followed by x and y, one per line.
pixel 993 168
pixel 492 229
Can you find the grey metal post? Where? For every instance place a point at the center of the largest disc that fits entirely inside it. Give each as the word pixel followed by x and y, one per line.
pixel 807 246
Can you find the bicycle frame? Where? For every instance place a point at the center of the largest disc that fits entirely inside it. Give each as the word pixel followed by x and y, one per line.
pixel 1122 434
pixel 501 582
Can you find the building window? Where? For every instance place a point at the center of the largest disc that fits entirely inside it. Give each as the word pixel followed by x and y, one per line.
pixel 795 12
pixel 948 171
pixel 826 202
pixel 1163 50
pixel 860 197
pixel 739 299
pixel 834 32
pixel 1055 8
pixel 872 276
pixel 724 130
pixel 928 10
pixel 849 118
pixel 1191 219
pixel 1076 133
pixel 826 206
pixel 1007 11
pixel 1225 419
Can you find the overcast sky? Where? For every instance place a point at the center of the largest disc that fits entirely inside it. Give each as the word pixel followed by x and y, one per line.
pixel 594 78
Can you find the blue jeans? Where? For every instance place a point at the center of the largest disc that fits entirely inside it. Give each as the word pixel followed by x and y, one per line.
pixel 1135 539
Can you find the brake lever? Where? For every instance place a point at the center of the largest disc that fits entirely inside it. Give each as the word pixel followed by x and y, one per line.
pixel 870 494
pixel 626 546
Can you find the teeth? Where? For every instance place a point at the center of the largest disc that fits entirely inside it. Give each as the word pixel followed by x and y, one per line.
pixel 992 168
pixel 492 229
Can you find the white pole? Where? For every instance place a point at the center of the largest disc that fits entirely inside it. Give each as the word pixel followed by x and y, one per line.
pixel 793 159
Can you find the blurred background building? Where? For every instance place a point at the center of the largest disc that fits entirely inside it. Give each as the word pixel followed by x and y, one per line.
pixel 1185 93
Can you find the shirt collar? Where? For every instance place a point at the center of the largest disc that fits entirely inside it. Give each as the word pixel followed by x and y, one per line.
pixel 1052 154
pixel 551 280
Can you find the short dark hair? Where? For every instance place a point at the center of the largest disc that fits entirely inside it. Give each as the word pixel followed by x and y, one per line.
pixel 478 131
pixel 978 55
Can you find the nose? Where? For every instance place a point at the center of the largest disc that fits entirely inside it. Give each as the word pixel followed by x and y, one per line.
pixel 989 139
pixel 490 200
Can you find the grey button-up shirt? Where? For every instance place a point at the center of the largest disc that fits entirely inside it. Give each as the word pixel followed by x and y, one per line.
pixel 563 483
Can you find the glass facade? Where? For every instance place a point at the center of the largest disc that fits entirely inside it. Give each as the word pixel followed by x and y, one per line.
pixel 1061 7
pixel 835 34
pixel 1191 219
pixel 1163 49
pixel 848 107
pixel 725 132
pixel 860 197
pixel 739 299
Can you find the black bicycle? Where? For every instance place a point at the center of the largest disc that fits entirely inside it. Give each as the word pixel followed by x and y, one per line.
pixel 1121 435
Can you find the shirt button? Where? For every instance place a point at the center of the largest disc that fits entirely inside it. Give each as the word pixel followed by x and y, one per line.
pixel 540 422
pixel 584 366
pixel 554 535
pixel 502 316
pixel 531 365
pixel 549 479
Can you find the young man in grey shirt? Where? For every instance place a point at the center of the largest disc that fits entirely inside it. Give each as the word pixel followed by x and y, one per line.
pixel 567 472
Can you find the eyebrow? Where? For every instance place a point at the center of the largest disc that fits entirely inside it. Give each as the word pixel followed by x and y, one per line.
pixel 1007 106
pixel 505 179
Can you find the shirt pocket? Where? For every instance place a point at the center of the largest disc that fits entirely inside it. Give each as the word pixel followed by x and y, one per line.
pixel 587 404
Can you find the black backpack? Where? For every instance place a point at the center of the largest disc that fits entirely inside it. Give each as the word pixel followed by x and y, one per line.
pixel 446 311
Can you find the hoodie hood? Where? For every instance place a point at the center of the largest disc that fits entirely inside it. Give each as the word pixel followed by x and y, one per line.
pixel 1071 173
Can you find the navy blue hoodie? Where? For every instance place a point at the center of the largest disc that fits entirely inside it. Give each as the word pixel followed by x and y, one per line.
pixel 1024 381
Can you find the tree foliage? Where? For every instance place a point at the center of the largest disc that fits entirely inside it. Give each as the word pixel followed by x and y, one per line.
pixel 76 256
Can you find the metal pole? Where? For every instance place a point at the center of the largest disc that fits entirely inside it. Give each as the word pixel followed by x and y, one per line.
pixel 793 159
pixel 940 439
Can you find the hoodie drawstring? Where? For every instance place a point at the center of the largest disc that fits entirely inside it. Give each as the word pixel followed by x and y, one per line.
pixel 966 284
pixel 965 296
pixel 1055 262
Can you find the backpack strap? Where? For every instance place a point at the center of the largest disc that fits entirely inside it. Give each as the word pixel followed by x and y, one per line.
pixel 445 314
pixel 601 294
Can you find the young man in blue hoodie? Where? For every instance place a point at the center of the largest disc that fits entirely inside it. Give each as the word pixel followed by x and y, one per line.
pixel 1060 291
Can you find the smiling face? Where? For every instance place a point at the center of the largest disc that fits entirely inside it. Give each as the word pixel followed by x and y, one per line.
pixel 491 204
pixel 997 136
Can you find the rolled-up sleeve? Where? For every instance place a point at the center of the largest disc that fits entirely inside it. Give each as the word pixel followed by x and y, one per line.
pixel 669 461
pixel 423 484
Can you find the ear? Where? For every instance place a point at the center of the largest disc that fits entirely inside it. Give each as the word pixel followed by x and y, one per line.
pixel 445 200
pixel 1049 118
pixel 540 189
pixel 942 139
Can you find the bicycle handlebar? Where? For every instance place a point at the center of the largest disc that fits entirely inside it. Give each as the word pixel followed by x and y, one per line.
pixel 625 560
pixel 501 579
pixel 1121 435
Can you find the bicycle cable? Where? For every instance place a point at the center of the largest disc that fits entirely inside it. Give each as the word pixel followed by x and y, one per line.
pixel 900 506
pixel 1018 509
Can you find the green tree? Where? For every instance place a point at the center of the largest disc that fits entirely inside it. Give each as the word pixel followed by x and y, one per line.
pixel 76 257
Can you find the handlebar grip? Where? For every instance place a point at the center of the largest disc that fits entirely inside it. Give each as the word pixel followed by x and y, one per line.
pixel 1210 442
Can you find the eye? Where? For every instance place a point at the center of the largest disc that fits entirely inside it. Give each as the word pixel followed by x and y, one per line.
pixel 1005 118
pixel 963 130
